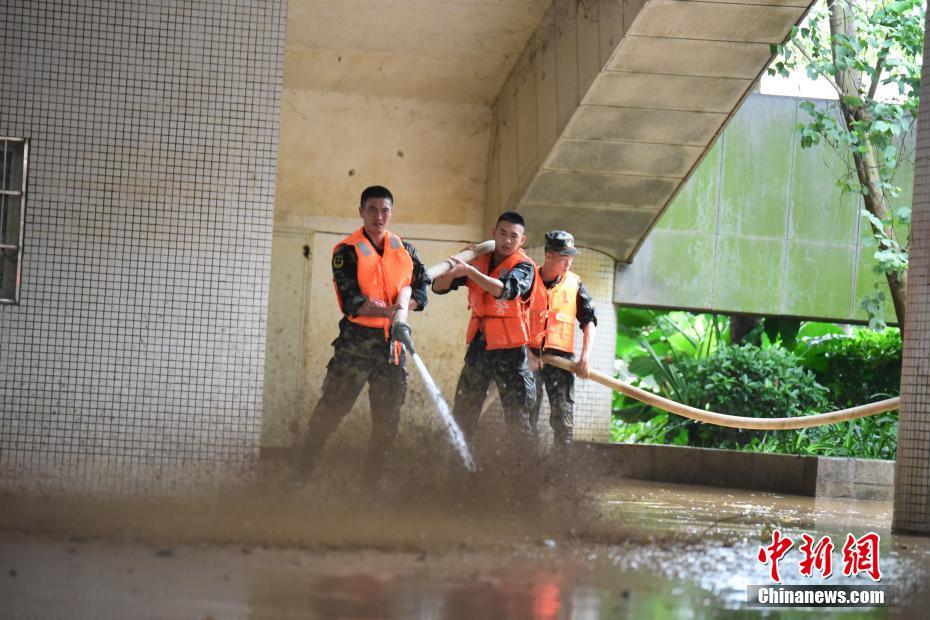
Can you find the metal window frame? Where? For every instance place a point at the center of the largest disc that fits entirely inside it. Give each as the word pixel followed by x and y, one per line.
pixel 21 193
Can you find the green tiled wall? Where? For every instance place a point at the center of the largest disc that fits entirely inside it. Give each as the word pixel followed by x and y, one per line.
pixel 761 227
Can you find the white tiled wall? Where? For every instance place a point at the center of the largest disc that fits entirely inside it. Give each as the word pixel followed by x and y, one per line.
pixel 912 472
pixel 593 402
pixel 139 340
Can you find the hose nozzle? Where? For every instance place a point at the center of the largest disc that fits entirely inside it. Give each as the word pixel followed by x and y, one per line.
pixel 401 332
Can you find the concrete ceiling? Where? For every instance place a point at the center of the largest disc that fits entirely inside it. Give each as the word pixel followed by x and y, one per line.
pixel 644 119
pixel 459 51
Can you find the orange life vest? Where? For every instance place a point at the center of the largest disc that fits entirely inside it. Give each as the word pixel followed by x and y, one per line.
pixel 505 322
pixel 553 312
pixel 380 276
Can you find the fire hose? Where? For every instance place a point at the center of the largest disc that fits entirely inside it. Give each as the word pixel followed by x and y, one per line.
pixel 400 328
pixel 401 332
pixel 732 421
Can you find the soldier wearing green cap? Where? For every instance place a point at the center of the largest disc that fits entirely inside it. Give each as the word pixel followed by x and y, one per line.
pixel 559 300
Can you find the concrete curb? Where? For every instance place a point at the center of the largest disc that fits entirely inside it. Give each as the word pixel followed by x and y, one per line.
pixel 779 473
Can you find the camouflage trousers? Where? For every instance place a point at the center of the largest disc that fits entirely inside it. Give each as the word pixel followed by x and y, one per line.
pixel 559 385
pixel 507 368
pixel 360 357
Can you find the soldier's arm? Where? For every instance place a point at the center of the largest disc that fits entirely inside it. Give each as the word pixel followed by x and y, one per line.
pixel 345 276
pixel 587 318
pixel 449 281
pixel 420 280
pixel 519 282
pixel 492 285
pixel 586 312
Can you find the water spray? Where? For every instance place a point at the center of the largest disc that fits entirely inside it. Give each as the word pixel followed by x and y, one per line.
pixel 402 335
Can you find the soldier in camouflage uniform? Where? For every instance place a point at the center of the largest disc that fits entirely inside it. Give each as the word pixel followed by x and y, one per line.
pixel 559 299
pixel 369 269
pixel 499 286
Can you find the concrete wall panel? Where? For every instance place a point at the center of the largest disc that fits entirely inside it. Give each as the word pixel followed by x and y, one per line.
pixel 525 100
pixel 689 57
pixel 507 130
pixel 547 93
pixel 623 157
pixel 788 241
pixel 589 45
pixel 610 27
pixel 716 21
pixel 566 51
pixel 644 125
pixel 428 153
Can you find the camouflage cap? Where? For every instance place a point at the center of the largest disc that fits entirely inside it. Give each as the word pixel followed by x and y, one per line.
pixel 561 242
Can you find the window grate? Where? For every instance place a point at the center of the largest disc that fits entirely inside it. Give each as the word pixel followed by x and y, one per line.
pixel 14 163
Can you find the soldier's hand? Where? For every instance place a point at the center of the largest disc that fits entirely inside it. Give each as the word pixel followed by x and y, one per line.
pixel 582 369
pixel 458 268
pixel 413 305
pixel 370 308
pixel 534 361
pixel 471 247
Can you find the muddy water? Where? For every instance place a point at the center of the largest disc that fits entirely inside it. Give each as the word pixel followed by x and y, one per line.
pixel 617 549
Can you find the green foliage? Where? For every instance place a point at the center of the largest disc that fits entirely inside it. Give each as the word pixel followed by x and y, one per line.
pixel 650 345
pixel 878 43
pixel 857 370
pixel 800 368
pixel 875 437
pixel 652 430
pixel 874 305
pixel 885 49
pixel 748 381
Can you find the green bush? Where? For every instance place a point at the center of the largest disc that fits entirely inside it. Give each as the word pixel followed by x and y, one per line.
pixel 859 369
pixel 781 378
pixel 747 381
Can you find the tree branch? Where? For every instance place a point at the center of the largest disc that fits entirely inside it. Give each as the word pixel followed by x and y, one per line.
pixel 810 61
pixel 876 77
pixel 841 23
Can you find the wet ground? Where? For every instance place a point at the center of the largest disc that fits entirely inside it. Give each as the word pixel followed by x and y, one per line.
pixel 627 549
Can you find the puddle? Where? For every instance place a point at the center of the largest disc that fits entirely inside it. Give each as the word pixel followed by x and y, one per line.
pixel 638 550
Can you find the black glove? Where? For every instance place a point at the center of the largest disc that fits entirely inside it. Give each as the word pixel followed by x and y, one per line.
pixel 402 333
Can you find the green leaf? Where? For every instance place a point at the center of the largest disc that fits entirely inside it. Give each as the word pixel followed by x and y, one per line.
pixel 635 317
pixel 643 366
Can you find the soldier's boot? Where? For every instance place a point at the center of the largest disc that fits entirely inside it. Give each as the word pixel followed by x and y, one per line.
pixel 562 418
pixel 537 402
pixel 322 424
pixel 563 439
pixel 305 459
pixel 373 469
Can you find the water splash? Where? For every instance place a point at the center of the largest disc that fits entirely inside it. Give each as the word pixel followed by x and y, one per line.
pixel 455 433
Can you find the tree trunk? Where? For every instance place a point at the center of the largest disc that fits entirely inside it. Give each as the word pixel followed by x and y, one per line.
pixel 870 178
pixel 741 325
pixel 842 21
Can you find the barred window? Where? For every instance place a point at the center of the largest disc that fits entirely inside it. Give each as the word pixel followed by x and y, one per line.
pixel 14 159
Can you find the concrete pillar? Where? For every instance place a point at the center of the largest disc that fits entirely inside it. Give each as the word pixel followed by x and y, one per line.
pixel 912 475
